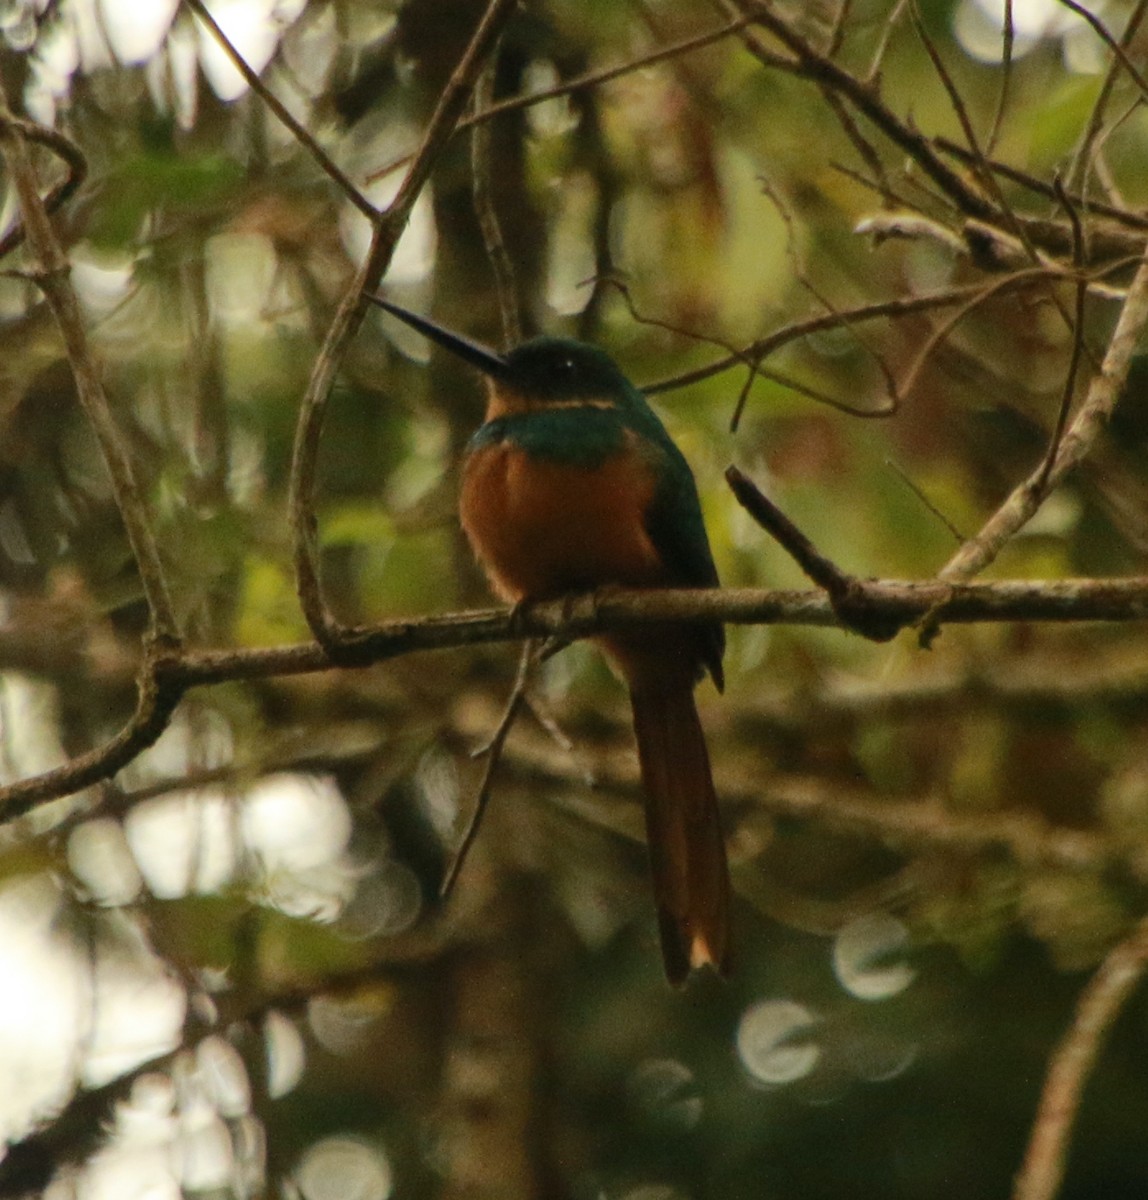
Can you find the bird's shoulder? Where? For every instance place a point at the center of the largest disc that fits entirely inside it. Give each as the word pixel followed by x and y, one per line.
pixel 586 433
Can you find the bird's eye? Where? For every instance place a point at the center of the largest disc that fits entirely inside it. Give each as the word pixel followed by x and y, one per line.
pixel 565 366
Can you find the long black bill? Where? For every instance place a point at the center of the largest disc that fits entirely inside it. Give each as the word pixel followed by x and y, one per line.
pixel 475 353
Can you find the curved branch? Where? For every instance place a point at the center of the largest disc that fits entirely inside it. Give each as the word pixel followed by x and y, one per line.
pixel 74 160
pixel 159 691
pixel 51 273
pixel 1100 1004
pixel 348 318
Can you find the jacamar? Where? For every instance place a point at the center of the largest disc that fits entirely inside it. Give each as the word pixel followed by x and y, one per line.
pixel 571 484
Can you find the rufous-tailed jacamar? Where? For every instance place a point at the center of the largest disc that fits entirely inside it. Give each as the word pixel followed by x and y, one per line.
pixel 572 483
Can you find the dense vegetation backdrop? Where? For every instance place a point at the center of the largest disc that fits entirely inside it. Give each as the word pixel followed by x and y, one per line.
pixel 887 258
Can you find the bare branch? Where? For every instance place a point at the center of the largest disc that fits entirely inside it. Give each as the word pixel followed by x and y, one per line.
pixel 298 130
pixel 159 691
pixel 1103 393
pixel 956 100
pixel 493 752
pixel 809 63
pixel 1124 216
pixel 880 604
pixel 1117 48
pixel 1123 599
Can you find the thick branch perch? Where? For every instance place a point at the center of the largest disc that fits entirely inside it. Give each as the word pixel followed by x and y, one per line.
pixel 899 601
pixel 887 603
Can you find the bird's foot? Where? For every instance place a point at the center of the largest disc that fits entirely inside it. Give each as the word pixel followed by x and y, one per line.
pixel 517 617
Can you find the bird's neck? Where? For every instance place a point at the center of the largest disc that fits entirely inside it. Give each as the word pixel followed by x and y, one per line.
pixel 505 401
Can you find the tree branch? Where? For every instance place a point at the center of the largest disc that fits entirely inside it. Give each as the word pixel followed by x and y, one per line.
pixel 1100 1004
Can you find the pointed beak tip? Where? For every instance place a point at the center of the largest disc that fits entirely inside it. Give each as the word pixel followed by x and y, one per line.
pixel 482 357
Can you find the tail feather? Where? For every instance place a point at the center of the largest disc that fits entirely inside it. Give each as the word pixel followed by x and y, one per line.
pixel 687 851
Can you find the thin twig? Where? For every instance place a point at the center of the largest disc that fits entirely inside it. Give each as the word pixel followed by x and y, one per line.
pixel 1100 1004
pixel 917 491
pixel 747 358
pixel 581 83
pixel 1083 152
pixel 1117 48
pixel 888 27
pixel 837 31
pixel 1008 32
pixel 810 64
pixel 864 147
pixel 956 100
pixel 482 172
pixel 900 306
pixel 298 130
pixel 1098 158
pixel 943 330
pixel 801 274
pixel 1124 216
pixel 1069 388
pixel 984 173
pixel 493 753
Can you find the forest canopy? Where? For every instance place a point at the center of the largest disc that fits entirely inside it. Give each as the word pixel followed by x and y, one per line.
pixel 879 266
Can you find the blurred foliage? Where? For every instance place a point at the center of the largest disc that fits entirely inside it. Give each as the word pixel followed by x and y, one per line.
pixel 520 1040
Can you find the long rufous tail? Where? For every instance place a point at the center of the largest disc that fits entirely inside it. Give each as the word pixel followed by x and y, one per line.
pixel 687 851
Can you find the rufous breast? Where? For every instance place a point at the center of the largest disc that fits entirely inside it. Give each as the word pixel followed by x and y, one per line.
pixel 543 528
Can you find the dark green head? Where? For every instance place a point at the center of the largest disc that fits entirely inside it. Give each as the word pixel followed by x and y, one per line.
pixel 553 370
pixel 543 371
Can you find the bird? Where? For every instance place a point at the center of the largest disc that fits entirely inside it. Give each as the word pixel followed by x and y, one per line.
pixel 572 484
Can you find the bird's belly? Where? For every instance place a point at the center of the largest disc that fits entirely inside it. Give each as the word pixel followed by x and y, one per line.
pixel 542 528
